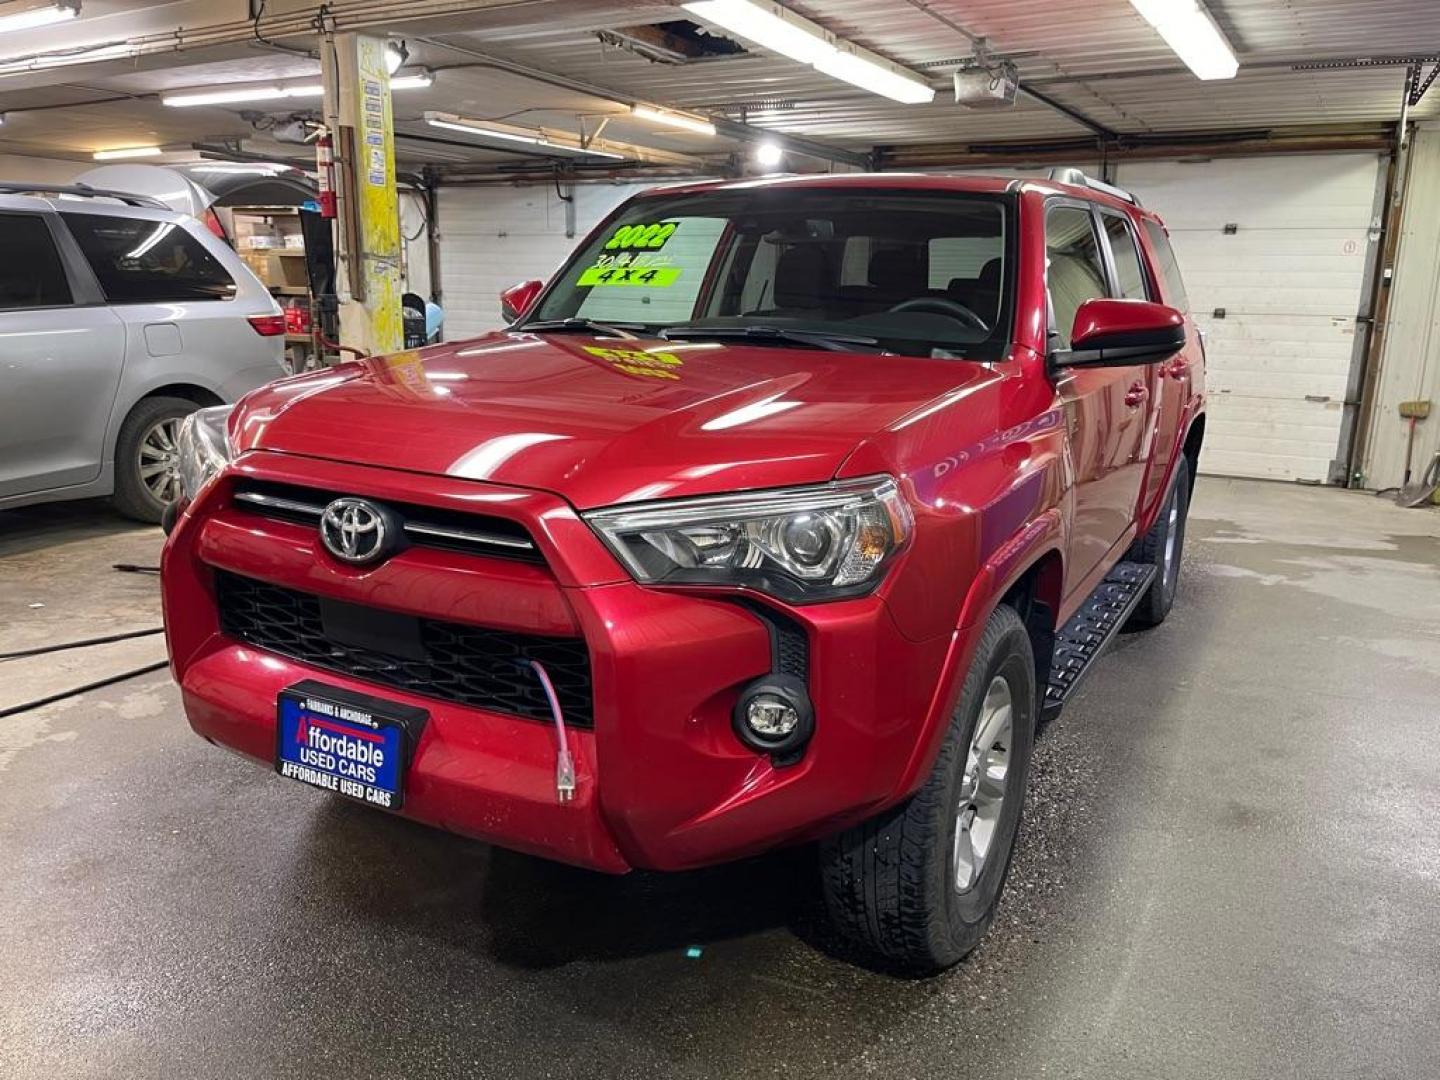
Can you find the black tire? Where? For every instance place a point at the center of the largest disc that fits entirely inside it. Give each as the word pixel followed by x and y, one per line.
pixel 1155 549
pixel 132 497
pixel 891 884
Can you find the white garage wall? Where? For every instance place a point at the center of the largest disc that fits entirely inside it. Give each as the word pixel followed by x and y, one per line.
pixel 492 237
pixel 1289 279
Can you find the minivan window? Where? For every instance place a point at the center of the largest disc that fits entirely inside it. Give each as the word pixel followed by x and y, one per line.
pixel 31 274
pixel 1074 271
pixel 139 261
pixel 1129 276
pixel 1168 267
pixel 920 273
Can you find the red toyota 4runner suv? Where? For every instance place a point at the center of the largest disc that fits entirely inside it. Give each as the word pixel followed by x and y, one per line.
pixel 781 514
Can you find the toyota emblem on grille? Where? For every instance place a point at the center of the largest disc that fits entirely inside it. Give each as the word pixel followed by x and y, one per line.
pixel 355 531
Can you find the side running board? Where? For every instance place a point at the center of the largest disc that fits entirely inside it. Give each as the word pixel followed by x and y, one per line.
pixel 1081 640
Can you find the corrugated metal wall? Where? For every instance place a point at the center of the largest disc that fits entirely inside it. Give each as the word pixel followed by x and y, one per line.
pixel 1410 354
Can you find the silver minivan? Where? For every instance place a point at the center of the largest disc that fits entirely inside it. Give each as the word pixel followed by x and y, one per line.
pixel 118 318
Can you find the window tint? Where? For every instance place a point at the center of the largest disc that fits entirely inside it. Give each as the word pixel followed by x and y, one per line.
pixel 31 274
pixel 1128 274
pixel 148 261
pixel 1168 267
pixel 1073 270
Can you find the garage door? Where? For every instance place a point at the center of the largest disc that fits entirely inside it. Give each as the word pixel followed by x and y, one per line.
pixel 492 237
pixel 1288 279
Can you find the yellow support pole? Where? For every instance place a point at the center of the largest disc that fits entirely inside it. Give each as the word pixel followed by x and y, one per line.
pixel 357 98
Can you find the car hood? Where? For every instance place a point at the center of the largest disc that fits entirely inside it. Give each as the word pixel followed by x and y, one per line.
pixel 599 421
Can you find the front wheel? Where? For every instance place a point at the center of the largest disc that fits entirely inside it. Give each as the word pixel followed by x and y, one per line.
pixel 917 886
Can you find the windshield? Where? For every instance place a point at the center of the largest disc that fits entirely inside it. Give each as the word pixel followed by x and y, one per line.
pixel 921 273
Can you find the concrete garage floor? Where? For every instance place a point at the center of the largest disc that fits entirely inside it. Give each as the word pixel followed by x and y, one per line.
pixel 1230 867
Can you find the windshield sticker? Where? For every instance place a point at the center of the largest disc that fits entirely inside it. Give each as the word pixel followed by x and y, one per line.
pixel 630 257
pixel 653 365
pixel 630 270
pixel 642 237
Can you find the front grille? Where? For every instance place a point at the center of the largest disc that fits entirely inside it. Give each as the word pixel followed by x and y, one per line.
pixel 469 665
pixel 423 526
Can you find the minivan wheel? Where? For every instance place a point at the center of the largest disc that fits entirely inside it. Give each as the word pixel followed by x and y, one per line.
pixel 1162 548
pixel 147 478
pixel 917 886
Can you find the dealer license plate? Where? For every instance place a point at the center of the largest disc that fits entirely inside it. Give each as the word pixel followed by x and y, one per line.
pixel 346 742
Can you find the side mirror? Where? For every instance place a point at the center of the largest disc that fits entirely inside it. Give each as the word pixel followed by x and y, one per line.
pixel 1121 333
pixel 516 300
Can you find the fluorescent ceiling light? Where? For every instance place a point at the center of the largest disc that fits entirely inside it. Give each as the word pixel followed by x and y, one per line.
pixel 542 142
pixel 1190 31
pixel 767 25
pixel 780 30
pixel 879 78
pixel 39 16
pixel 418 81
pixel 277 92
pixel 671 118
pixel 127 152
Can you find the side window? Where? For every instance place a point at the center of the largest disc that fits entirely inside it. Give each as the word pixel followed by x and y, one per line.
pixel 1074 272
pixel 141 262
pixel 1168 267
pixel 1129 275
pixel 31 274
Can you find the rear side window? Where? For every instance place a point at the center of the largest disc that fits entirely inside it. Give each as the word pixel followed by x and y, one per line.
pixel 1129 276
pixel 148 261
pixel 1168 267
pixel 31 274
pixel 1074 271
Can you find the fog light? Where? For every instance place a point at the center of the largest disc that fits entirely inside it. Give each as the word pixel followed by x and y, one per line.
pixel 774 716
pixel 771 717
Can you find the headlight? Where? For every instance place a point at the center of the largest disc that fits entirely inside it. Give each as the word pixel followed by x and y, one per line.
pixel 799 544
pixel 203 448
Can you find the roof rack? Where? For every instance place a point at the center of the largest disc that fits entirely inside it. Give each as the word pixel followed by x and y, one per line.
pixel 1068 174
pixel 80 191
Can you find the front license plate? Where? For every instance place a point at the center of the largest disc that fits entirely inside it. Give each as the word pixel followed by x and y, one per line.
pixel 350 743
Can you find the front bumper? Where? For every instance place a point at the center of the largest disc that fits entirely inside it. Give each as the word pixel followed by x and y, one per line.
pixel 663 782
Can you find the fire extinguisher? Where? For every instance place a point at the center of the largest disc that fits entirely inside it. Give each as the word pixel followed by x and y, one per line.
pixel 325 166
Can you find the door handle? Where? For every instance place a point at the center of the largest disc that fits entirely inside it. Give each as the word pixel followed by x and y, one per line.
pixel 1137 394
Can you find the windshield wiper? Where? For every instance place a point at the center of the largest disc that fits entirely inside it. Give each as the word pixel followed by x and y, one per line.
pixel 823 339
pixel 588 326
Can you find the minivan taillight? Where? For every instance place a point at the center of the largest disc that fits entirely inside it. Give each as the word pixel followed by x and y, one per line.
pixel 268 325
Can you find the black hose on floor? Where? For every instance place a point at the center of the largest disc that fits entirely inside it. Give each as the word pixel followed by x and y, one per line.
pixel 42 650
pixel 96 685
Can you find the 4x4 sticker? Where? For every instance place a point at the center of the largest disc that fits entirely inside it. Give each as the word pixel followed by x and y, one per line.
pixel 615 272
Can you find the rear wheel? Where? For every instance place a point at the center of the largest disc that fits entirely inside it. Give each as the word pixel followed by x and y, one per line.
pixel 1162 548
pixel 146 475
pixel 917 886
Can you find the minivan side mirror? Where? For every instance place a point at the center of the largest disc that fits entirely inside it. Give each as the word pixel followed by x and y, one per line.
pixel 1121 333
pixel 516 300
